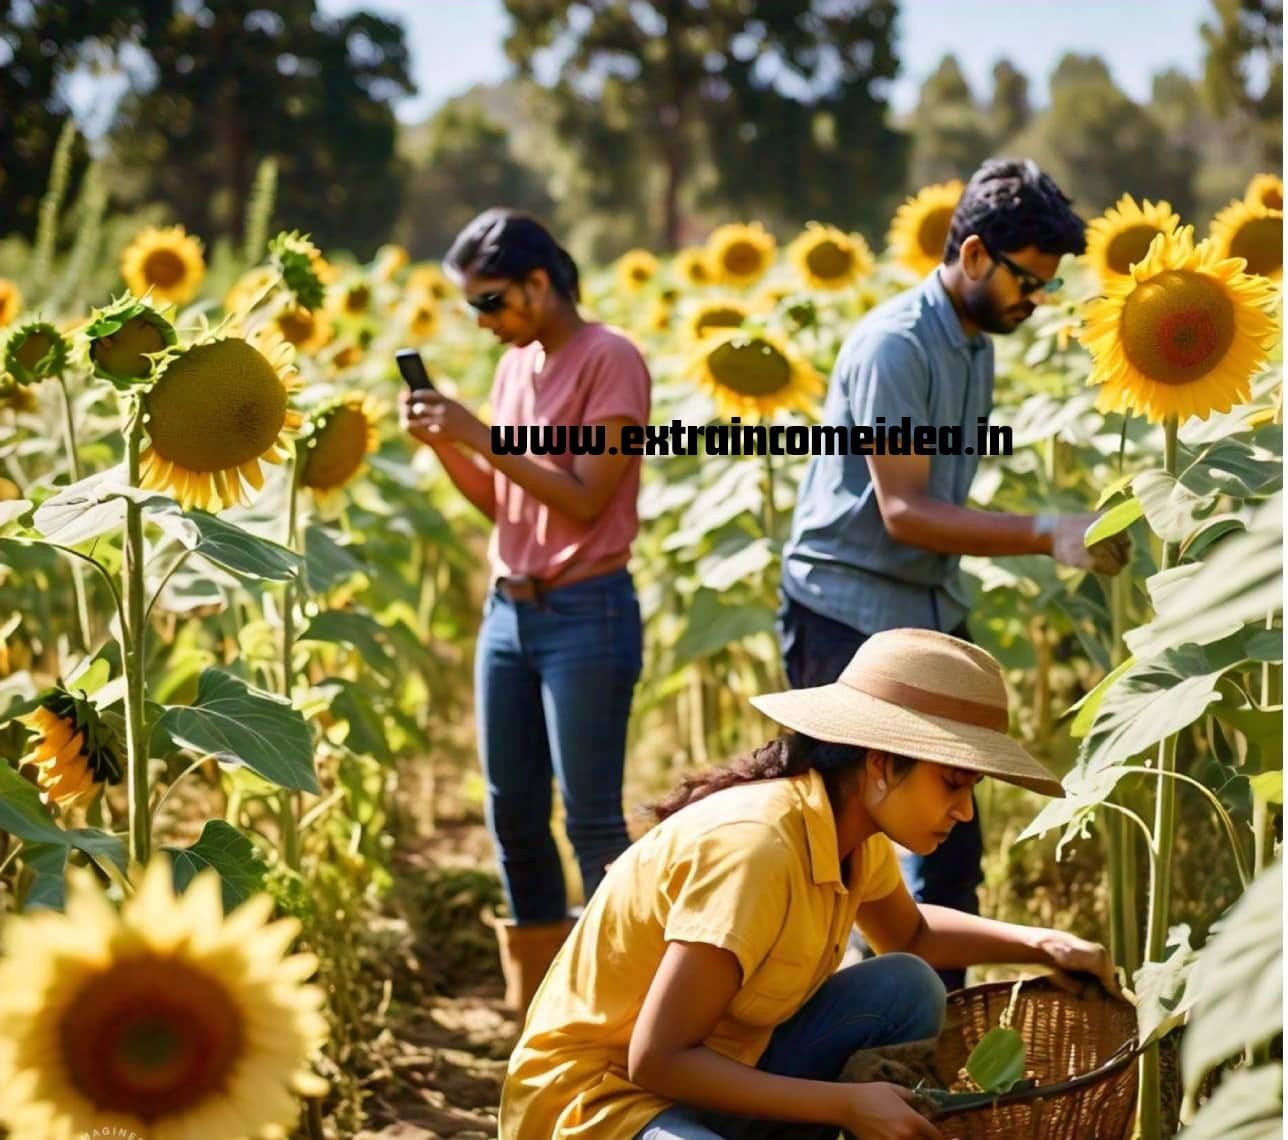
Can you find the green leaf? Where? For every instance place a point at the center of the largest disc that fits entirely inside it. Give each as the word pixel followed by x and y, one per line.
pixel 228 851
pixel 713 624
pixel 1161 1002
pixel 47 863
pixel 359 630
pixel 1247 1105
pixel 1114 521
pixel 353 705
pixel 723 572
pixel 327 563
pixel 1268 787
pixel 997 1062
pixel 1237 987
pixel 1262 727
pixel 90 508
pixel 1089 705
pixel 238 724
pixel 22 814
pixel 1172 510
pixel 12 510
pixel 1241 582
pixel 1085 791
pixel 230 546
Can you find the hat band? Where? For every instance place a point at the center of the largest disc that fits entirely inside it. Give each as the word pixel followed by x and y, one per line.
pixel 932 704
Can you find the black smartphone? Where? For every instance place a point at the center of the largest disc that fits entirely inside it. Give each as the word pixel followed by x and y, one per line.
pixel 413 370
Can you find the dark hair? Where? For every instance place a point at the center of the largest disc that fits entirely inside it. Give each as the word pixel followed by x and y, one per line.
pixel 791 754
pixel 1011 204
pixel 504 243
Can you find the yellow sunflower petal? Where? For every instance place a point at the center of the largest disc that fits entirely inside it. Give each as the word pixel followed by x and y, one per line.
pixel 919 229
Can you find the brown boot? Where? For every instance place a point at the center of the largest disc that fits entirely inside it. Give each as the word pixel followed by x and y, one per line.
pixel 526 954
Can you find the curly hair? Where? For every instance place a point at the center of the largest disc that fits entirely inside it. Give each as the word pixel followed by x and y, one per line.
pixel 1011 204
pixel 791 754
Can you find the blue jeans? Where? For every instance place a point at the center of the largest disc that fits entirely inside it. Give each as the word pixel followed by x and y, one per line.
pixel 883 1001
pixel 553 682
pixel 815 651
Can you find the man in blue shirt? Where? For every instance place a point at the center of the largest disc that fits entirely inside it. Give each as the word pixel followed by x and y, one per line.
pixel 876 540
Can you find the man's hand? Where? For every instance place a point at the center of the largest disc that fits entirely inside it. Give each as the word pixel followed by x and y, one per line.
pixel 1108 556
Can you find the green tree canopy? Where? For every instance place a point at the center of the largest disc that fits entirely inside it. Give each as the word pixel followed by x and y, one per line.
pixel 1010 111
pixel 951 136
pixel 772 107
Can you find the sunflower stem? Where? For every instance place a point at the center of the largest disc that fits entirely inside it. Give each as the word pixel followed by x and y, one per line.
pixel 771 513
pixel 1123 854
pixel 134 633
pixel 78 571
pixel 287 803
pixel 1160 878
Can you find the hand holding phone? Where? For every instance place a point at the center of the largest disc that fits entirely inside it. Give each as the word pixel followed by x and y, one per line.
pixel 413 371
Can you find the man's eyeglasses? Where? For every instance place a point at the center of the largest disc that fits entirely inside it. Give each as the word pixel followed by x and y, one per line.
pixel 1029 283
pixel 488 303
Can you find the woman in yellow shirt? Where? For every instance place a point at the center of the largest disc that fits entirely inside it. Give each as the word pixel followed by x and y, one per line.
pixel 698 997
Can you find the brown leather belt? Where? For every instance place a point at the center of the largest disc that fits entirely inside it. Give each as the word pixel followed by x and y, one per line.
pixel 525 588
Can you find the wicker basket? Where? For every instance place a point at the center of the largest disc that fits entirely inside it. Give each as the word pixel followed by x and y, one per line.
pixel 1081 1052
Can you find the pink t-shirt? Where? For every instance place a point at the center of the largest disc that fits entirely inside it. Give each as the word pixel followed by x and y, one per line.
pixel 596 375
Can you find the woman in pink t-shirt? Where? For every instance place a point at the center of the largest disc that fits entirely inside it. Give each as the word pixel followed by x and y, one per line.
pixel 559 649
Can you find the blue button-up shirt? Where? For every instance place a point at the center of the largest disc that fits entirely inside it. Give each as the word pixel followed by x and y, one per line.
pixel 908 357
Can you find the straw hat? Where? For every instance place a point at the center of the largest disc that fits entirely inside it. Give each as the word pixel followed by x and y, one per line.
pixel 917 693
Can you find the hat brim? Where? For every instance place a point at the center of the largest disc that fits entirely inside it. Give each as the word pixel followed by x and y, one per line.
pixel 842 715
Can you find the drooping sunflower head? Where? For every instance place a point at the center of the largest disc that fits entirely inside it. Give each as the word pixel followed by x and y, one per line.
pixel 10 301
pixel 304 271
pixel 124 339
pixel 1265 190
pixel 1254 233
pixel 335 441
pixel 1121 236
pixel 740 254
pixel 828 259
pixel 167 261
pixel 1182 335
pixel 217 410
pixel 308 330
pixel 166 1019
pixel 691 268
pixel 715 316
pixel 35 351
pixel 72 751
pixel 635 269
pixel 755 374
pixel 919 230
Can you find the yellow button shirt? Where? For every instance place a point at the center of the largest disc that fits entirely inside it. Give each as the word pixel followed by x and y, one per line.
pixel 753 869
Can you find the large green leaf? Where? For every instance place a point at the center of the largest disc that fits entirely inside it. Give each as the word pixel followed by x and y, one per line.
pixel 1171 508
pixel 1161 1001
pixel 1241 582
pixel 228 545
pixel 228 851
pixel 352 704
pixel 1237 987
pixel 238 724
pixel 1248 1105
pixel 360 630
pixel 1085 791
pixel 12 510
pixel 1114 521
pixel 713 624
pixel 327 563
pixel 47 863
pixel 22 814
pixel 997 1062
pixel 1089 705
pixel 723 570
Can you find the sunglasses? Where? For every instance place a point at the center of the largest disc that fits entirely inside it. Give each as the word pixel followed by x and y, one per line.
pixel 1029 283
pixel 488 303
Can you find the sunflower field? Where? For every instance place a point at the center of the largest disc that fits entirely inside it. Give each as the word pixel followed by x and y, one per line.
pixel 244 882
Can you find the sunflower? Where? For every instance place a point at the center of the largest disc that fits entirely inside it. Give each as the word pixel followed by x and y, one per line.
pixel 167 261
pixel 422 319
pixel 1265 190
pixel 738 254
pixel 635 269
pixel 1182 335
pixel 716 316
pixel 309 330
pixel 428 278
pixel 691 267
pixel 335 442
pixel 72 752
pixel 1120 237
pixel 919 230
pixel 829 259
pixel 166 1021
pixel 123 339
pixel 35 351
pixel 346 355
pixel 303 269
pixel 388 261
pixel 10 301
pixel 1254 233
pixel 216 411
pixel 351 299
pixel 659 316
pixel 755 374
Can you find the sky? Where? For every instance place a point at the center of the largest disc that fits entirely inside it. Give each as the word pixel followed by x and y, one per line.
pixel 457 43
